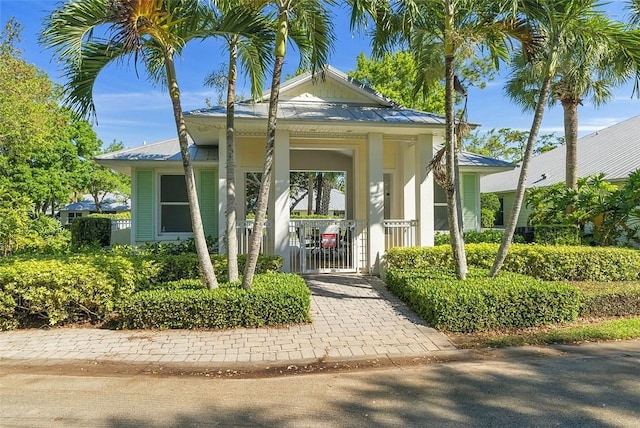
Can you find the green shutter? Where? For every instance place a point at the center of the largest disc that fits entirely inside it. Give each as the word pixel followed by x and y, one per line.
pixel 208 199
pixel 144 209
pixel 470 203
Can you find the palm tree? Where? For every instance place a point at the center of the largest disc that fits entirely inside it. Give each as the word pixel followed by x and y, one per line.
pixel 154 30
pixel 309 25
pixel 439 33
pixel 563 23
pixel 252 48
pixel 589 68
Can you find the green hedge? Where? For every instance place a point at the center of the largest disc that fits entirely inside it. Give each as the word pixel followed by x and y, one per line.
pixel 65 288
pixel 87 286
pixel 553 263
pixel 612 300
pixel 185 266
pixel 90 232
pixel 482 303
pixel 274 299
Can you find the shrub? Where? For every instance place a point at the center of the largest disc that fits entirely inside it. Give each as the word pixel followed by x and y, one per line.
pixel 274 299
pixel 66 288
pixel 482 303
pixel 618 299
pixel 185 266
pixel 472 237
pixel 553 263
pixel 90 232
pixel 558 234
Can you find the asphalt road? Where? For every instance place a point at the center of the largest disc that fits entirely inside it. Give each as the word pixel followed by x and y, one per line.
pixel 570 387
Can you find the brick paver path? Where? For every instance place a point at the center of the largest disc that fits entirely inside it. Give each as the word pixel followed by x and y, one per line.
pixel 353 316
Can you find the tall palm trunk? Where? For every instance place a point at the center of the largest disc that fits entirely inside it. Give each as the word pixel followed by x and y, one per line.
pixel 326 195
pixel 452 188
pixel 510 227
pixel 570 110
pixel 310 185
pixel 319 189
pixel 206 267
pixel 232 238
pixel 263 196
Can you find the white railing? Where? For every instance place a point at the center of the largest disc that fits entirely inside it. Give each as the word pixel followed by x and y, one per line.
pixel 121 224
pixel 327 245
pixel 244 229
pixel 400 233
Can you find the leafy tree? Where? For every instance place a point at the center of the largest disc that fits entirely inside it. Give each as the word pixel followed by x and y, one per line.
pixel 563 23
pixel 103 180
pixel 394 76
pixel 508 144
pixel 88 35
pixel 308 24
pixel 489 206
pixel 440 34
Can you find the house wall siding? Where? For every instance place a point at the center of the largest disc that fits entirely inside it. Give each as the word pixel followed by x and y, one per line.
pixel 144 207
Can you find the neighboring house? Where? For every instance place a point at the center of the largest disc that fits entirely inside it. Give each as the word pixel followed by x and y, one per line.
pixel 337 207
pixel 110 205
pixel 330 124
pixel 613 151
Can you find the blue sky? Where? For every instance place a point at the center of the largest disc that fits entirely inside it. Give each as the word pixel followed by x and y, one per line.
pixel 131 110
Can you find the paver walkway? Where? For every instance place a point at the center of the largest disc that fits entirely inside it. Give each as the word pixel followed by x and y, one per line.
pixel 353 317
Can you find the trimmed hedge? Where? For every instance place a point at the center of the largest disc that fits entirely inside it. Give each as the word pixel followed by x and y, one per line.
pixel 621 299
pixel 88 286
pixel 274 299
pixel 553 263
pixel 482 303
pixel 65 288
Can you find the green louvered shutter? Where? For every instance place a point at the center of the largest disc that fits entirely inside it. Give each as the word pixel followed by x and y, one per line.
pixel 208 199
pixel 470 201
pixel 144 218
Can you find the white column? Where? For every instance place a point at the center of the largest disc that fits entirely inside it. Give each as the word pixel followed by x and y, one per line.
pixel 222 191
pixel 279 206
pixel 375 210
pixel 409 182
pixel 424 190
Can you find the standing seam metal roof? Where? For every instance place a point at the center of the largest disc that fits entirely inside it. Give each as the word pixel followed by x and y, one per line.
pixel 613 151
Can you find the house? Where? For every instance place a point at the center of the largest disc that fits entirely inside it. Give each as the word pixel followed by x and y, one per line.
pixel 329 124
pixel 111 204
pixel 336 204
pixel 613 151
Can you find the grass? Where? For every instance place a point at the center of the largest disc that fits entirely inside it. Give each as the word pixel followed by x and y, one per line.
pixel 577 332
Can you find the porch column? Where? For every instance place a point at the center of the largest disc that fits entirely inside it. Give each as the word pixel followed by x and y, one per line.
pixel 279 206
pixel 375 212
pixel 424 190
pixel 409 182
pixel 222 191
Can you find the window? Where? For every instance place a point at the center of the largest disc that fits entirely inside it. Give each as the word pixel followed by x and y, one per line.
pixel 174 205
pixel 440 220
pixel 71 216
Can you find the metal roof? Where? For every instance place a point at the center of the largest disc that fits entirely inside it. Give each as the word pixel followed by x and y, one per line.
pixel 613 151
pixel 325 112
pixel 167 150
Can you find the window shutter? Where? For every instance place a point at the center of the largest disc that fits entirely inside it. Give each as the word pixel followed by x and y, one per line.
pixel 144 209
pixel 470 201
pixel 208 199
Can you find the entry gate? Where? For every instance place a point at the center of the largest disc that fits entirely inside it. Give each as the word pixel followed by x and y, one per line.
pixel 323 246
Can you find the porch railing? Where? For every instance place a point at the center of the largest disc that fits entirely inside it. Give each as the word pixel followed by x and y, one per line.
pixel 400 233
pixel 244 229
pixel 120 224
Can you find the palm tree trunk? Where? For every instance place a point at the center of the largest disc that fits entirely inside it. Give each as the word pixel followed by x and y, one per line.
pixel 570 109
pixel 326 195
pixel 452 188
pixel 310 182
pixel 510 227
pixel 319 181
pixel 232 238
pixel 206 267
